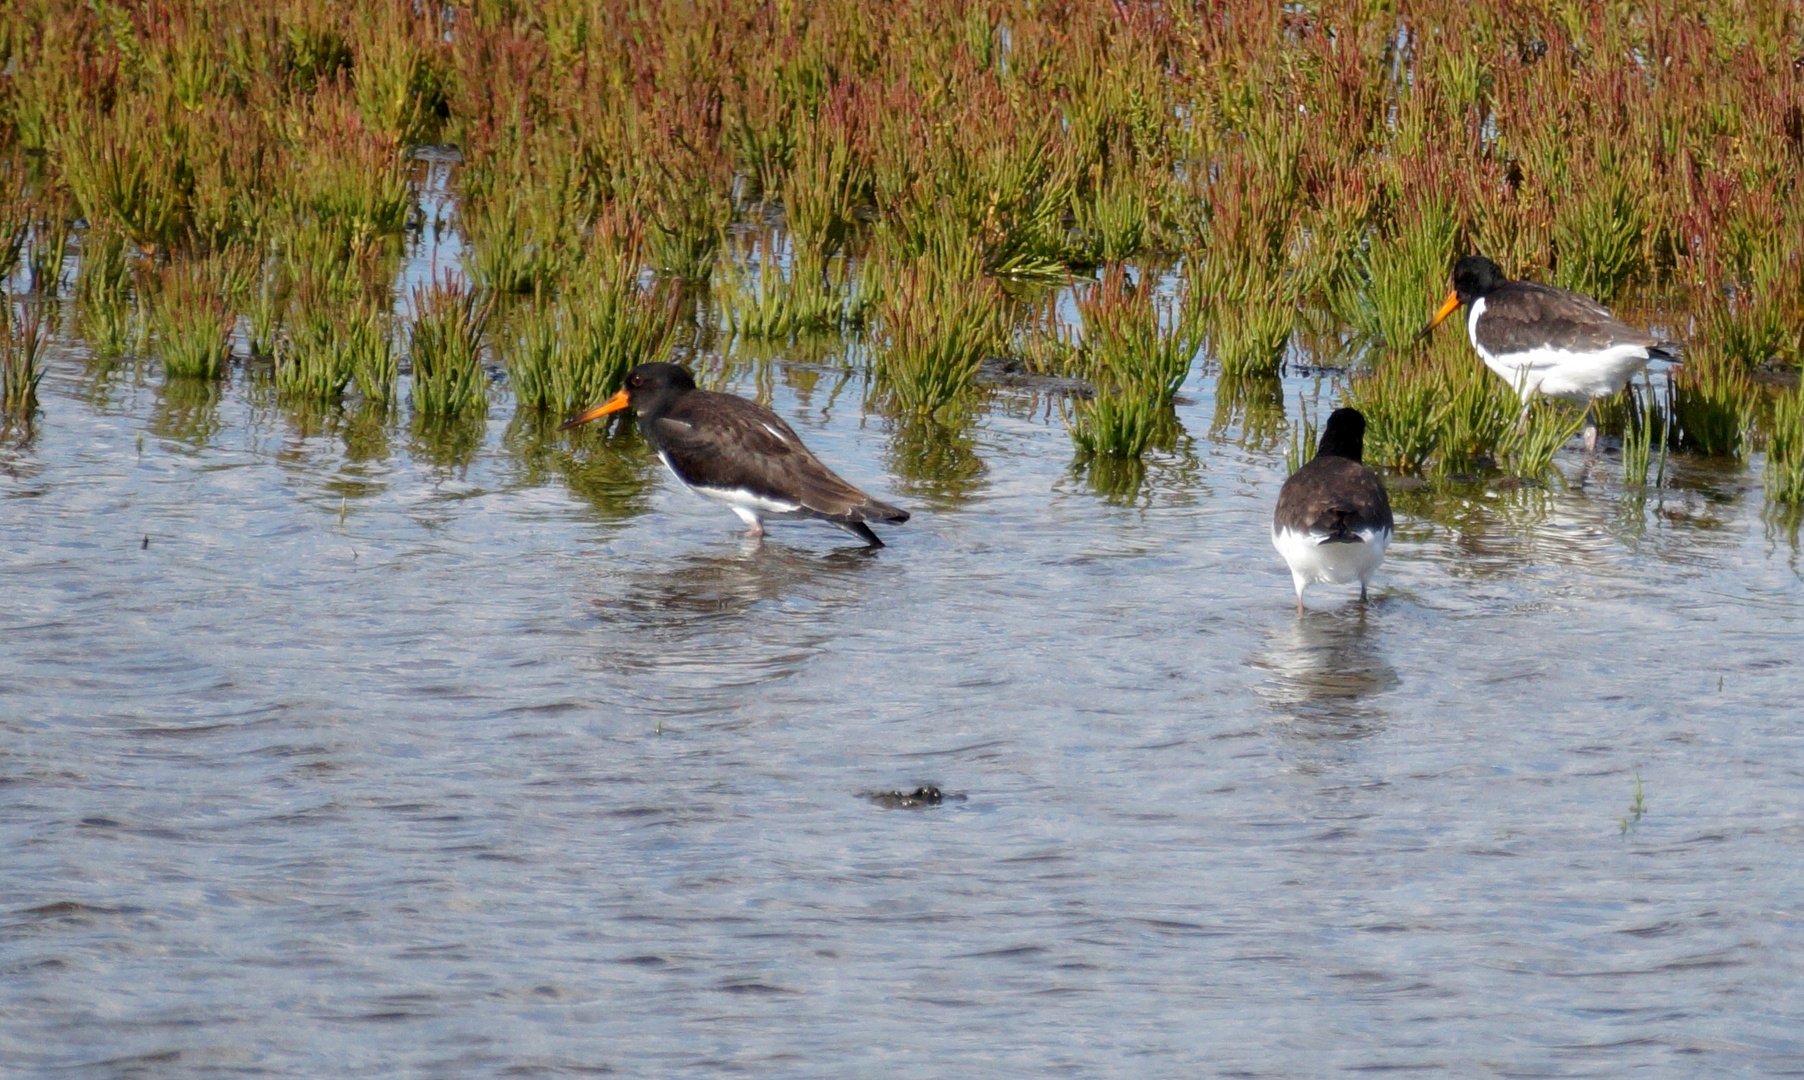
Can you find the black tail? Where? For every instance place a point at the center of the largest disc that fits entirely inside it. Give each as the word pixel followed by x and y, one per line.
pixel 1341 531
pixel 862 531
pixel 873 510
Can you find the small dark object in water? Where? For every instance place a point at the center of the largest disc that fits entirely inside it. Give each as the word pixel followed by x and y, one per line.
pixel 145 546
pixel 1012 374
pixel 912 800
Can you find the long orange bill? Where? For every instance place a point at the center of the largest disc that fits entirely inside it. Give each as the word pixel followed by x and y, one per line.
pixel 1448 307
pixel 613 404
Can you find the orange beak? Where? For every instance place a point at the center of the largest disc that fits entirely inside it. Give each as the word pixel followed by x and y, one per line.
pixel 1448 307
pixel 613 404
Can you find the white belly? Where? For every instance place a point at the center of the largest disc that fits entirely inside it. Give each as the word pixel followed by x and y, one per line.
pixel 1557 373
pixel 750 507
pixel 1312 561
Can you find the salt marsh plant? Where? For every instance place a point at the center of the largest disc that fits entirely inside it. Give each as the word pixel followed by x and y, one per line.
pixel 22 340
pixel 937 327
pixel 1304 440
pixel 830 178
pixel 1138 356
pixel 1646 417
pixel 328 344
pixel 349 186
pixel 1549 424
pixel 107 313
pixel 46 250
pixel 1323 162
pixel 1599 232
pixel 1130 337
pixel 1399 401
pixel 15 220
pixel 1251 311
pixel 763 301
pixel 1119 424
pixel 524 209
pixel 1785 450
pixel 1712 404
pixel 116 165
pixel 191 324
pixel 111 326
pixel 1402 271
pixel 398 69
pixel 265 298
pixel 369 344
pixel 571 352
pixel 445 347
pixel 566 355
pixel 519 239
pixel 1111 223
pixel 1445 414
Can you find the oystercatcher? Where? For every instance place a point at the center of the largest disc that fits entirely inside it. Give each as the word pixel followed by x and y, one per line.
pixel 739 453
pixel 1547 340
pixel 1333 520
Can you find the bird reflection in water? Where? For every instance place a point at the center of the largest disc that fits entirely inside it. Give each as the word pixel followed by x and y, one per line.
pixel 1322 669
pixel 730 584
pixel 721 622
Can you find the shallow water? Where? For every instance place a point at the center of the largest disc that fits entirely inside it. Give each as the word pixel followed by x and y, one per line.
pixel 332 748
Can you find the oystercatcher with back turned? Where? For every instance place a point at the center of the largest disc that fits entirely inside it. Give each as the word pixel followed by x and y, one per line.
pixel 739 453
pixel 1547 340
pixel 1333 520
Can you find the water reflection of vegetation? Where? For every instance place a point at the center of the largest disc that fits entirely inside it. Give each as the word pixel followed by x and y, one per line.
pixel 1782 521
pixel 1168 462
pixel 366 428
pixel 188 410
pixel 447 442
pixel 1480 516
pixel 23 337
pixel 1253 404
pixel 936 459
pixel 607 466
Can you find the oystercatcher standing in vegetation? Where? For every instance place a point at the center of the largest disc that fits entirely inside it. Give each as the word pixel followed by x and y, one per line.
pixel 739 453
pixel 1547 340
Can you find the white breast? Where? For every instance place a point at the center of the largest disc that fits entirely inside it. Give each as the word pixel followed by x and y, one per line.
pixel 1560 373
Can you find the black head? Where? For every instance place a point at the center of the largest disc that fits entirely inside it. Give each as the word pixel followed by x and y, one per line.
pixel 1474 276
pixel 650 390
pixel 1345 435
pixel 650 382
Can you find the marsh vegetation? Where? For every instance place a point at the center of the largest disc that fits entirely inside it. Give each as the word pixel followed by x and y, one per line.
pixel 1128 194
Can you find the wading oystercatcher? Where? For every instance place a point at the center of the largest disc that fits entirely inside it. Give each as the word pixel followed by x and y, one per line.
pixel 1547 340
pixel 1333 520
pixel 739 453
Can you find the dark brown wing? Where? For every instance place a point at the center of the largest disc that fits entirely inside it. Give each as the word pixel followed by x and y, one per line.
pixel 1523 316
pixel 1335 496
pixel 721 441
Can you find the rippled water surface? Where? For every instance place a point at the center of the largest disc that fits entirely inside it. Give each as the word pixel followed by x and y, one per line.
pixel 331 749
